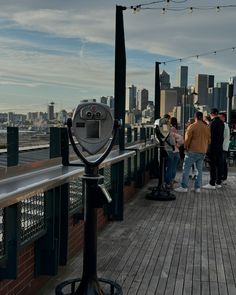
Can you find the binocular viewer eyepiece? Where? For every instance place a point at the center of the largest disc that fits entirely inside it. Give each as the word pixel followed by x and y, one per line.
pixel 92 124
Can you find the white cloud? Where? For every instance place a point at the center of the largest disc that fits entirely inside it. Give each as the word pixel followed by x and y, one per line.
pixel 173 34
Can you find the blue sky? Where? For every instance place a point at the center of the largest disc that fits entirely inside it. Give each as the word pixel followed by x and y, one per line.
pixel 63 51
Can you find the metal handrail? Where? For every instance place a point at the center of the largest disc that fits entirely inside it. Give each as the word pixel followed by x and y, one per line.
pixel 17 188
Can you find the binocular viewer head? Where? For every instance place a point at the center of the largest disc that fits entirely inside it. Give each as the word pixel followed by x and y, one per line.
pixel 92 125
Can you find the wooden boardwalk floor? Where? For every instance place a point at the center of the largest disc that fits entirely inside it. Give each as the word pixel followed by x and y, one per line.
pixel 187 246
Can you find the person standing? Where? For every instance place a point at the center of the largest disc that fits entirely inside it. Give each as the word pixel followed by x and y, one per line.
pixel 226 142
pixel 197 139
pixel 178 142
pixel 215 150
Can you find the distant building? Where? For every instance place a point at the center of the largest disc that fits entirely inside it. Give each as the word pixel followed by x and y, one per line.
pixel 62 116
pixel 104 99
pixel 182 77
pixel 51 111
pixel 10 117
pixel 132 97
pixel 164 80
pixel 129 117
pixel 148 114
pixel 203 83
pixel 180 93
pixel 220 96
pixel 112 102
pixel 88 100
pixel 142 99
pixel 3 117
pixel 168 101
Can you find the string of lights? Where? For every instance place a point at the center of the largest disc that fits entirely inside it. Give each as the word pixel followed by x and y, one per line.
pixel 148 6
pixel 198 55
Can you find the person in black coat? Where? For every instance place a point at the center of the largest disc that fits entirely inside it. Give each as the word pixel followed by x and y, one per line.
pixel 215 150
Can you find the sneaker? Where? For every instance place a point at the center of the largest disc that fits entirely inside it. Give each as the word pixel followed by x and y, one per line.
pixel 224 182
pixel 209 186
pixel 181 190
pixel 218 186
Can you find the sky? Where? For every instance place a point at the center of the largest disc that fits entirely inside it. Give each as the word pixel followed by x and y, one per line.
pixel 63 51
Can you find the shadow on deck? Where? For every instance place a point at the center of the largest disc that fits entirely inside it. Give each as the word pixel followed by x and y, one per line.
pixel 187 246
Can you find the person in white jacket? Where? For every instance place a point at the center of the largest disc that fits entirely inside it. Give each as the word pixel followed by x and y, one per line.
pixel 225 147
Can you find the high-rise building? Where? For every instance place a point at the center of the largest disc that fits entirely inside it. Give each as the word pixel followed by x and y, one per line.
pixel 211 79
pixel 182 77
pixel 168 101
pixel 164 80
pixel 132 97
pixel 203 83
pixel 51 111
pixel 142 99
pixel 220 96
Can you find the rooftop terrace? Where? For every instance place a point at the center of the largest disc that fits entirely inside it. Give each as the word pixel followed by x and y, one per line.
pixel 187 246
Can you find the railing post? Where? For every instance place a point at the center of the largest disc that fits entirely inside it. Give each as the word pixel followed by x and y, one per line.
pixel 47 247
pixel 117 204
pixel 12 146
pixel 129 134
pixel 12 237
pixel 64 146
pixel 55 142
pixel 64 223
pixel 135 133
pixel 142 133
pixel 148 133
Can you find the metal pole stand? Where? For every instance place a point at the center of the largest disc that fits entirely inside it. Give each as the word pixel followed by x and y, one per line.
pixel 159 193
pixel 95 196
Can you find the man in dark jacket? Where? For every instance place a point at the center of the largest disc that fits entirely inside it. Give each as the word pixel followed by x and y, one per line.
pixel 215 150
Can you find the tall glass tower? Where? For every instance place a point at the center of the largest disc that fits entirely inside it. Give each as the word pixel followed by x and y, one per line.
pixel 182 77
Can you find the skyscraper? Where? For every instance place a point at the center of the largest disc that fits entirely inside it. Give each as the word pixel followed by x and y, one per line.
pixel 51 111
pixel 220 96
pixel 168 101
pixel 164 80
pixel 203 83
pixel 132 97
pixel 182 77
pixel 142 99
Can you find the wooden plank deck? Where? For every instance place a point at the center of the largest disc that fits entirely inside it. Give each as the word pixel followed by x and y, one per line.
pixel 183 247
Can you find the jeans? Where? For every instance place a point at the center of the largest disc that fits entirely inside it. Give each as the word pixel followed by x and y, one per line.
pixel 216 166
pixel 189 160
pixel 171 163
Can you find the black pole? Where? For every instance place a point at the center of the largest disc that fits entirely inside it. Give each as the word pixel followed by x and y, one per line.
pixel 89 284
pixel 120 74
pixel 184 109
pixel 230 88
pixel 157 92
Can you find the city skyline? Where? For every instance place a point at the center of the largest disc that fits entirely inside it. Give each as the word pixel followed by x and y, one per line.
pixel 64 52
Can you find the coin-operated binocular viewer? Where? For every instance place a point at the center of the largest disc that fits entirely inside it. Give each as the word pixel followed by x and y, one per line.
pixel 95 129
pixel 162 133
